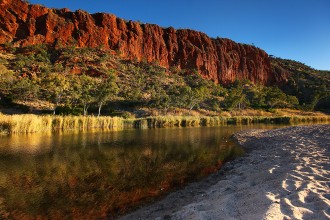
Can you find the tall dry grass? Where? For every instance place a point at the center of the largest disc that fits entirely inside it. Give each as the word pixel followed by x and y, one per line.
pixel 36 123
pixel 193 121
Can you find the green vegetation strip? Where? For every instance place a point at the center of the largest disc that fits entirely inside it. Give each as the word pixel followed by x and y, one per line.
pixel 10 124
pixel 82 81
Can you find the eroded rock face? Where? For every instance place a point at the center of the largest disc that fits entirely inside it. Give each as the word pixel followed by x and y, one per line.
pixel 221 60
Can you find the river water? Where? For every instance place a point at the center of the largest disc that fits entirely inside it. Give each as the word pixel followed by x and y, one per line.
pixel 105 173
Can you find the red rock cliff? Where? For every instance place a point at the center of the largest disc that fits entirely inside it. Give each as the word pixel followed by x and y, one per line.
pixel 220 60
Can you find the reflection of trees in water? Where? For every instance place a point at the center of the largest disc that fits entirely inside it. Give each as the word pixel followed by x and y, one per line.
pixel 84 175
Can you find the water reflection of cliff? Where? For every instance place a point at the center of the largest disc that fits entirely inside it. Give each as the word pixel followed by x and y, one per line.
pixel 101 174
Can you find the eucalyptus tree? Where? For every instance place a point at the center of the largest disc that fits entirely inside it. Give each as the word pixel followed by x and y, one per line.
pixel 275 98
pixel 235 98
pixel 86 91
pixel 194 96
pixel 55 88
pixel 107 90
pixel 7 80
pixel 25 89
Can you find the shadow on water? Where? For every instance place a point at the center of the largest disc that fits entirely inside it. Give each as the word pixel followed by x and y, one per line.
pixel 102 174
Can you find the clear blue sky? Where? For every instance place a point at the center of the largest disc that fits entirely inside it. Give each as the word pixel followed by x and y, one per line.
pixel 292 29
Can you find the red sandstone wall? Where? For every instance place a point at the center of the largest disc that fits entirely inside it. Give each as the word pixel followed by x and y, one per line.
pixel 221 60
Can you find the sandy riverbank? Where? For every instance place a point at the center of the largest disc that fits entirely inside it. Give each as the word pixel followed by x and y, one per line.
pixel 285 175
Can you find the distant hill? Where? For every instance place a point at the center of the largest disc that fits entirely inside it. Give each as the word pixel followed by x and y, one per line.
pixel 311 86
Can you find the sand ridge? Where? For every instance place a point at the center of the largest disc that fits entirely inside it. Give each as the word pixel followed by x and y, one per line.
pixel 285 175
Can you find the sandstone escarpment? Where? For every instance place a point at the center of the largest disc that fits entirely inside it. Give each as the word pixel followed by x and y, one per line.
pixel 221 60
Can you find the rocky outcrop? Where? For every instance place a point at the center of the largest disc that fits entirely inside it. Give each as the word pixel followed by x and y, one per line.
pixel 221 60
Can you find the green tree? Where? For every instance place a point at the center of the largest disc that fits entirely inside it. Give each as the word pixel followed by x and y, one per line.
pixel 235 99
pixel 218 94
pixel 192 97
pixel 159 97
pixel 7 80
pixel 275 98
pixel 55 89
pixel 86 91
pixel 134 86
pixel 292 101
pixel 107 90
pixel 175 94
pixel 25 89
pixel 256 96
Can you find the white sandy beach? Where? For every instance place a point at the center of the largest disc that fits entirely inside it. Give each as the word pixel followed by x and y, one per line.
pixel 284 175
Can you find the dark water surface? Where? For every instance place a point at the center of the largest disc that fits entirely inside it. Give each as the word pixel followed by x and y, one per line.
pixel 105 174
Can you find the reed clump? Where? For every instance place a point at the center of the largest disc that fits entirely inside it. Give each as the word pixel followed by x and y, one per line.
pixel 36 123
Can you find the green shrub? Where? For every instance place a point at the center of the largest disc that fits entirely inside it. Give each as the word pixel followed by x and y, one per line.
pixel 67 110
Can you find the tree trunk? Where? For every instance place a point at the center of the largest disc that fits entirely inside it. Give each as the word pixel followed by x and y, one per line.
pixel 100 106
pixel 54 109
pixel 85 109
pixel 192 106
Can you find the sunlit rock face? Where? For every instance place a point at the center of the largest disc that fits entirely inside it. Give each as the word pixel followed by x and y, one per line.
pixel 220 60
